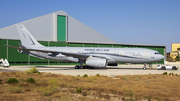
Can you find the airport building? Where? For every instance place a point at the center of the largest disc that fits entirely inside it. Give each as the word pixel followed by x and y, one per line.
pixel 58 29
pixel 174 55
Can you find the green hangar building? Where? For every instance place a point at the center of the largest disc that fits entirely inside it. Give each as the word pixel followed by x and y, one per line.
pixel 60 30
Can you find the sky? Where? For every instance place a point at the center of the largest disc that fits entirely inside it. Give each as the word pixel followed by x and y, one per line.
pixel 151 22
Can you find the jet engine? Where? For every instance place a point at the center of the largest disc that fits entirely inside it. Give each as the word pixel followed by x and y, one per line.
pixel 96 62
pixel 20 51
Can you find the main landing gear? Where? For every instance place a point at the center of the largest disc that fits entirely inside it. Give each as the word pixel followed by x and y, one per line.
pixel 82 67
pixel 78 67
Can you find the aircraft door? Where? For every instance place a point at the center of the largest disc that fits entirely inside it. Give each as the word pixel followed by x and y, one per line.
pixel 121 52
pixel 146 53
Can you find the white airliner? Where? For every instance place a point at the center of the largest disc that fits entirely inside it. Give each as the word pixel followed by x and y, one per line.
pixel 91 56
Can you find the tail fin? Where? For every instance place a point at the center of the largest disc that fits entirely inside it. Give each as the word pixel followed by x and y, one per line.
pixel 26 38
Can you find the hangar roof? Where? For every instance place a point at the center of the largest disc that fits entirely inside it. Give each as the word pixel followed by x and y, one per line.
pixel 44 28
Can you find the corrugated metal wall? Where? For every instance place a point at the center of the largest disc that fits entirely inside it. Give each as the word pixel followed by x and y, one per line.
pixel 16 58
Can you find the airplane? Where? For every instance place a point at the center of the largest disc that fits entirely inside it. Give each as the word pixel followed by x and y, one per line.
pixel 92 57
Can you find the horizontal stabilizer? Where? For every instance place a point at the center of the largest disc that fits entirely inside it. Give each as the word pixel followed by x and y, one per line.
pixel 14 47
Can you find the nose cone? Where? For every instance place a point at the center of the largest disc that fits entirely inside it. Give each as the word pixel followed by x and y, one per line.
pixel 160 57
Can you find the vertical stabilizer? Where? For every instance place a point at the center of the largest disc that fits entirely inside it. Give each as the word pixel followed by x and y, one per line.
pixel 25 36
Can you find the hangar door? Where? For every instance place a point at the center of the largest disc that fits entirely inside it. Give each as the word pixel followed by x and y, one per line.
pixel 61 28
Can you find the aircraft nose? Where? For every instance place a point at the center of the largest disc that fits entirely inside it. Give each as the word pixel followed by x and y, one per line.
pixel 161 57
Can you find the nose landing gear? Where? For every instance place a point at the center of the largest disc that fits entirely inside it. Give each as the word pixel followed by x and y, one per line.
pixel 144 68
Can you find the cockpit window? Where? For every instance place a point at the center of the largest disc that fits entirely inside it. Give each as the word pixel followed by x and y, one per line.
pixel 156 53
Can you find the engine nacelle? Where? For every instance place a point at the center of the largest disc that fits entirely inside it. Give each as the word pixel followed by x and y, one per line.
pixel 20 51
pixel 96 62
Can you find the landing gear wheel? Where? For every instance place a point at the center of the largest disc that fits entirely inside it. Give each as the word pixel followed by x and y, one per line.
pixel 85 67
pixel 81 67
pixel 144 68
pixel 76 67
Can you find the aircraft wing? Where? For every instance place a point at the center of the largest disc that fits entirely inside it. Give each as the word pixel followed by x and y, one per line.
pixel 75 55
pixel 80 55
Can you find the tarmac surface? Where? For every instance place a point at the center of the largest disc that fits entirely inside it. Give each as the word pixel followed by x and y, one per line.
pixel 110 70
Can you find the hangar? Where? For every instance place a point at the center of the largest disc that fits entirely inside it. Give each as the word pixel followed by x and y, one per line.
pixel 60 30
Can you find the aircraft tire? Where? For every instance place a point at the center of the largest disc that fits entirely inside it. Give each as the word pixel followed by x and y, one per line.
pixel 144 68
pixel 81 67
pixel 76 67
pixel 85 67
